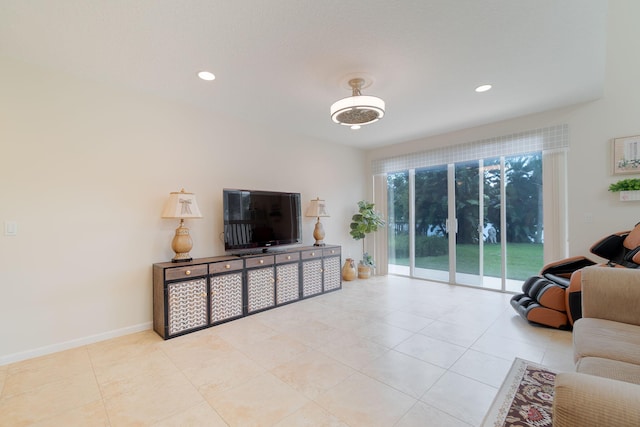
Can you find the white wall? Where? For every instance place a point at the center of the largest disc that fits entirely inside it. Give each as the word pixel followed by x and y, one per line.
pixel 593 211
pixel 85 170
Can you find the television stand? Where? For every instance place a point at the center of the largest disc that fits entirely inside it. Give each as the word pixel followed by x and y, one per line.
pixel 209 291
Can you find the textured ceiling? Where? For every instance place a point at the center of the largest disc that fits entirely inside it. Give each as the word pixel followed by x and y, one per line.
pixel 283 62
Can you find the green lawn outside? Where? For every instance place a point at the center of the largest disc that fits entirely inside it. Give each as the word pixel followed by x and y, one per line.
pixel 523 260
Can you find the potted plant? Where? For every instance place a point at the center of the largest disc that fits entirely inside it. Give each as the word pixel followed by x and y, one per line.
pixel 629 189
pixel 366 221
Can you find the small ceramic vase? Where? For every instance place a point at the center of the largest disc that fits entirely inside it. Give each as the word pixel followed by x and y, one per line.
pixel 348 270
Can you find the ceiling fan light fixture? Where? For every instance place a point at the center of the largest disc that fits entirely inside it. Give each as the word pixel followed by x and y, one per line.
pixel 358 109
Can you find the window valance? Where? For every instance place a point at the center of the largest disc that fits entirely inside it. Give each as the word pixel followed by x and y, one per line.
pixel 545 139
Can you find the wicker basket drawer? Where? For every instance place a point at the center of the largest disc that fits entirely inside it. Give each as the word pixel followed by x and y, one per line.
pixel 226 296
pixel 186 272
pixel 186 305
pixel 260 289
pixel 311 277
pixel 332 276
pixel 287 283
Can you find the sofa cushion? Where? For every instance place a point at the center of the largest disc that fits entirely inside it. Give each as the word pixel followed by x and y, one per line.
pixel 611 294
pixel 589 401
pixel 606 339
pixel 607 368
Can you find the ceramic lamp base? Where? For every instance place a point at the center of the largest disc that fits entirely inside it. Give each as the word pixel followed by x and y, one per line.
pixel 182 244
pixel 318 234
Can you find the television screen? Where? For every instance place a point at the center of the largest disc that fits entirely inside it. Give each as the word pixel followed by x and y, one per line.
pixel 260 219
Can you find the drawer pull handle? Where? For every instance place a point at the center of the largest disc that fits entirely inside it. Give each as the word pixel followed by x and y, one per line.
pixel 289 257
pixel 332 251
pixel 228 266
pixel 188 272
pixel 313 254
pixel 261 261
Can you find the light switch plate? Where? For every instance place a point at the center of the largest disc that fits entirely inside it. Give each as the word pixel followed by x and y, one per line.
pixel 10 228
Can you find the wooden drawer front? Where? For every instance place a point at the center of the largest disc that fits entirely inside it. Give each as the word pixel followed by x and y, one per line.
pixel 186 272
pixel 287 283
pixel 261 261
pixel 290 257
pixel 187 305
pixel 311 277
pixel 314 253
pixel 260 289
pixel 221 267
pixel 226 296
pixel 332 277
pixel 330 251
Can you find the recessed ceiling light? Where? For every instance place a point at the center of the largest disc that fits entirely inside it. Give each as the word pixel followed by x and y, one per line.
pixel 206 75
pixel 483 88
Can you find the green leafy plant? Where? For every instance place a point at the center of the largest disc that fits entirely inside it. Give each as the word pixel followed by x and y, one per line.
pixel 367 260
pixel 630 184
pixel 366 221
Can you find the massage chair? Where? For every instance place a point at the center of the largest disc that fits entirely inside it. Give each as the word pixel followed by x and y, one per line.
pixel 554 298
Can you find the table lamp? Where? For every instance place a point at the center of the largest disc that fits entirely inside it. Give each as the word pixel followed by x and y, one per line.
pixel 317 208
pixel 181 205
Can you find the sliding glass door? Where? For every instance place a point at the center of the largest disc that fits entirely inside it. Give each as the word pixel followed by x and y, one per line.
pixel 431 242
pixel 467 220
pixel 398 223
pixel 476 223
pixel 523 218
pixel 493 251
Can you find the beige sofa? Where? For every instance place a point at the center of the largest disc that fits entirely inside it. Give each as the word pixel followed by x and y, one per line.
pixel 605 389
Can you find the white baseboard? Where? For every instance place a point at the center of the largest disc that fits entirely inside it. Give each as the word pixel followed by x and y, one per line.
pixel 54 348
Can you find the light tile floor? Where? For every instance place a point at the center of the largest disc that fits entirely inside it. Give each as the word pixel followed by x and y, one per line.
pixel 388 351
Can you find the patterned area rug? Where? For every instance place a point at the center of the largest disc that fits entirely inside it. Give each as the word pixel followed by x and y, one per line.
pixel 525 398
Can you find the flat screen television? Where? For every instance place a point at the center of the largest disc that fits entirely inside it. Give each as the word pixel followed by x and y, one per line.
pixel 260 219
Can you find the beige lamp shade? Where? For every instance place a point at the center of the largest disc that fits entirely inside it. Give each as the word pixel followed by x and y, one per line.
pixel 181 205
pixel 317 208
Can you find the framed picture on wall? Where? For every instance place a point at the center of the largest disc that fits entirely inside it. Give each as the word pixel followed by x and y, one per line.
pixel 626 155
